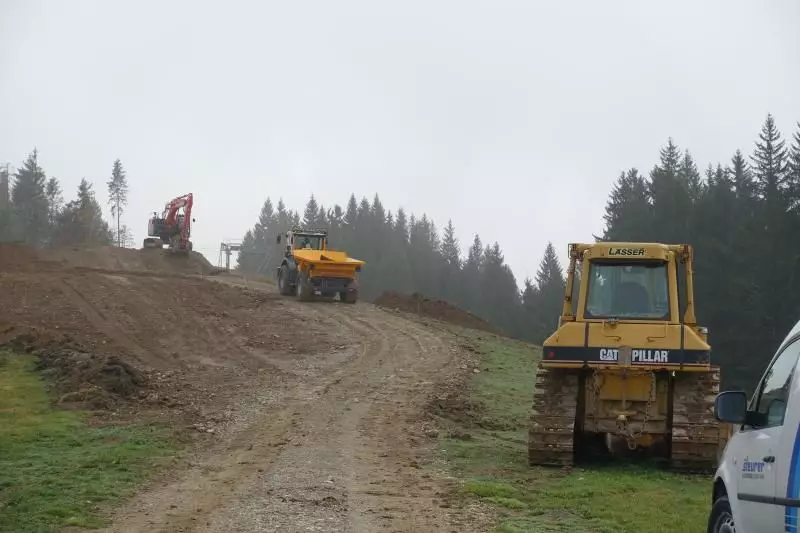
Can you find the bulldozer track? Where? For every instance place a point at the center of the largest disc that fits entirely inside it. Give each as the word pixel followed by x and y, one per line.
pixel 695 440
pixel 552 422
pixel 695 431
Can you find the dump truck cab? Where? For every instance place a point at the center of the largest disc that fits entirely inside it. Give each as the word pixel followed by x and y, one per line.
pixel 309 268
pixel 306 240
pixel 628 370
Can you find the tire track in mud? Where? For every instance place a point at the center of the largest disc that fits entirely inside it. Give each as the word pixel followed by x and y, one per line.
pixel 337 447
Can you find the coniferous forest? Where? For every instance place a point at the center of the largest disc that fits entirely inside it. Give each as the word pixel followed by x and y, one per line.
pixel 742 216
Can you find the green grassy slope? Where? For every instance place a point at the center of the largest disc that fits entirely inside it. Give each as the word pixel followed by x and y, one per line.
pixel 55 470
pixel 488 450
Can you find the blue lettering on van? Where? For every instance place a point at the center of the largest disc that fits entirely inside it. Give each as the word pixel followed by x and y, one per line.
pixel 793 484
pixel 753 469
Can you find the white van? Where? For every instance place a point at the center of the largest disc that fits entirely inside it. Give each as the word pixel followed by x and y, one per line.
pixel 757 484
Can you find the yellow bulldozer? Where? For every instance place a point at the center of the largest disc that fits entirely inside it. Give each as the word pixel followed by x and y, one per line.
pixel 628 370
pixel 309 269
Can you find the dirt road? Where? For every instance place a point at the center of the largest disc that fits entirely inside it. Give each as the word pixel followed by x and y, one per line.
pixel 335 444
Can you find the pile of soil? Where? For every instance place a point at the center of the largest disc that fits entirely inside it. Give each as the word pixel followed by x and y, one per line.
pixel 117 328
pixel 438 309
pixel 19 257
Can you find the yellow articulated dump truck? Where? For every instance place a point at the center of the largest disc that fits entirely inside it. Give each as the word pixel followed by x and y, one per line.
pixel 310 269
pixel 628 371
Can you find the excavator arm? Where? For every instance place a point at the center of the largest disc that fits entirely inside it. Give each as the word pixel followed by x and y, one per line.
pixel 171 216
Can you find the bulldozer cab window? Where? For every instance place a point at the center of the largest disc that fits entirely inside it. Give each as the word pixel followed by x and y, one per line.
pixel 633 290
pixel 308 242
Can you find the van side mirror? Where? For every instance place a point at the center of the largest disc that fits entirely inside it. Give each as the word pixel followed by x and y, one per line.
pixel 731 407
pixel 279 239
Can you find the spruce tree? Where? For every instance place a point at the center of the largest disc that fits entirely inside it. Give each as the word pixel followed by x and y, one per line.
pixel 550 294
pixel 118 196
pixel 29 200
pixel 793 171
pixel 769 164
pixel 628 213
pixel 81 221
pixel 311 214
pixel 6 220
pixel 55 201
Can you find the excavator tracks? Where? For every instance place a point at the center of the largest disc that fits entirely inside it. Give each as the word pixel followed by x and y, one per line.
pixel 696 433
pixel 552 423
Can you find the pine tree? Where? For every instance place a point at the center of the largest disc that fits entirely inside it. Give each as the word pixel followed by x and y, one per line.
pixel 29 200
pixel 769 160
pixel 311 213
pixel 352 211
pixel 401 226
pixel 550 285
pixel 81 220
pixel 6 221
pixel 793 171
pixel 628 213
pixel 55 201
pixel 118 196
pixel 450 249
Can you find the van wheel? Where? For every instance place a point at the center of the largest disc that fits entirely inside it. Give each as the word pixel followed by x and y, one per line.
pixel 721 518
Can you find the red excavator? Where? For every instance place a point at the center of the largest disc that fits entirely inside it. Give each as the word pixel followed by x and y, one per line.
pixel 172 227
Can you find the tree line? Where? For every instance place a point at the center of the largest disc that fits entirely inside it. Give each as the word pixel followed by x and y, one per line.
pixel 408 253
pixel 740 217
pixel 33 210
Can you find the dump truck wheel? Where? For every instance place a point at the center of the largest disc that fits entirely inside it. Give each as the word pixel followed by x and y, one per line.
pixel 283 281
pixel 304 293
pixel 348 297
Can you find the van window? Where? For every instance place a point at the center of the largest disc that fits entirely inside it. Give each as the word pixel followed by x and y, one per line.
pixel 773 395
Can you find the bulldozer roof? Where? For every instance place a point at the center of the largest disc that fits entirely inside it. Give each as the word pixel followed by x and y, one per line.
pixel 629 250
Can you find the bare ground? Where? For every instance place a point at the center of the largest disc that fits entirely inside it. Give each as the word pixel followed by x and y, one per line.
pixel 341 447
pixel 309 417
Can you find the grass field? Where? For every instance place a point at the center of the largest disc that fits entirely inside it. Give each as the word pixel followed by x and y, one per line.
pixel 490 454
pixel 54 469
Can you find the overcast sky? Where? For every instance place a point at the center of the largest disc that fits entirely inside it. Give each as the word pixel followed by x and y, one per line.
pixel 512 118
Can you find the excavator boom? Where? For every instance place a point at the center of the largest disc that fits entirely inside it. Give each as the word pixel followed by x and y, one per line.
pixel 173 227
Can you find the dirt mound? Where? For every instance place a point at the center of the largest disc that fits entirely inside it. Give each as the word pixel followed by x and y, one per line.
pixel 18 257
pixel 438 309
pixel 108 335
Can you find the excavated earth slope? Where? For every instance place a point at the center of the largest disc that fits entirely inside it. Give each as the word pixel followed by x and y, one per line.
pixel 308 417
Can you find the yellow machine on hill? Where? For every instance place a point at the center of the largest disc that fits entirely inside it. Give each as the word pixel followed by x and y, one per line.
pixel 627 372
pixel 310 269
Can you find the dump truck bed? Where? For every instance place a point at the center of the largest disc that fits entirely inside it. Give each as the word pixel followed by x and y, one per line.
pixel 328 263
